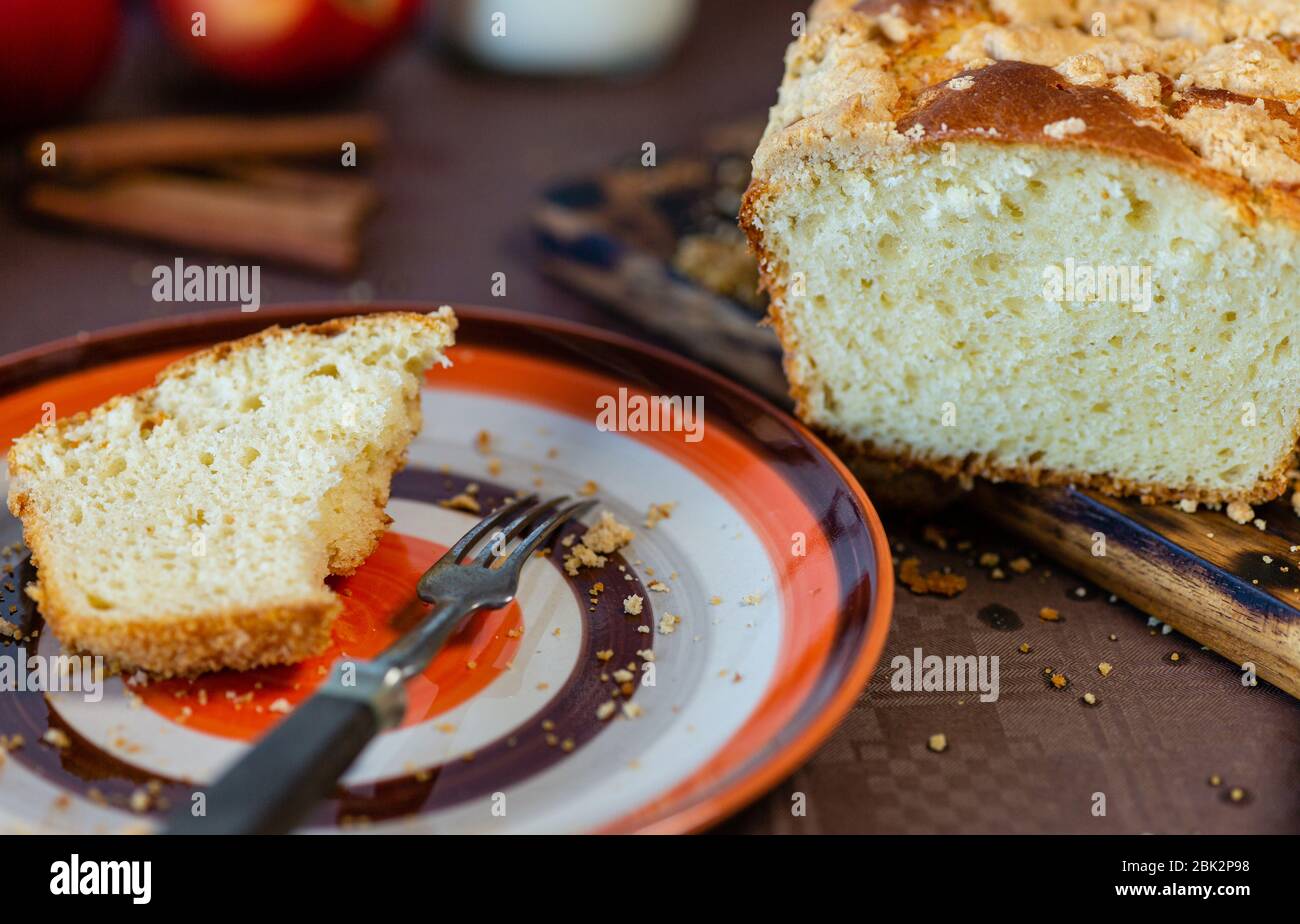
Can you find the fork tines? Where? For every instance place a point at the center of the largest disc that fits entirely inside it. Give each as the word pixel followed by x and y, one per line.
pixel 525 517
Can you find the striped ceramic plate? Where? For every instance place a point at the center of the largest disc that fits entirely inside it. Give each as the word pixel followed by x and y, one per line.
pixel 766 589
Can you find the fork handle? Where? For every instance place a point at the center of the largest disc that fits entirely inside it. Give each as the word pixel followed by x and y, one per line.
pixel 277 783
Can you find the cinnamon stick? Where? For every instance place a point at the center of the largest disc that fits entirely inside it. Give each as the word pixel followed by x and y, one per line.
pixel 319 231
pixel 201 141
pixel 355 192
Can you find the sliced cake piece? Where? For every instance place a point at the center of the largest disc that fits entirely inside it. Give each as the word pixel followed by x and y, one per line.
pixel 190 526
pixel 1048 241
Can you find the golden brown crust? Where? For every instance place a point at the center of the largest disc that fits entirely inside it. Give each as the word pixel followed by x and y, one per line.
pixel 867 72
pixel 1019 100
pixel 918 59
pixel 980 465
pixel 1011 101
pixel 183 646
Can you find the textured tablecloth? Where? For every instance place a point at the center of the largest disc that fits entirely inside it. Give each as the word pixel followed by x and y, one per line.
pixel 1033 760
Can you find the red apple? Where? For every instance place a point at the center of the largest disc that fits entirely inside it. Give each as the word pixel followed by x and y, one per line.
pixel 286 44
pixel 52 54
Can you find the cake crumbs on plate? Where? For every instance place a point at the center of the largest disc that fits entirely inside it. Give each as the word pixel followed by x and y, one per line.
pixel 582 557
pixel 1021 565
pixel 633 604
pixel 606 709
pixel 1104 668
pixel 483 442
pixel 658 512
pixel 658 587
pixel 58 738
pixel 938 743
pixel 588 488
pixel 605 654
pixel 462 501
pixel 281 706
pixel 607 536
pixel 632 711
pixel 668 623
pixel 751 600
pixel 1047 614
pixel 715 600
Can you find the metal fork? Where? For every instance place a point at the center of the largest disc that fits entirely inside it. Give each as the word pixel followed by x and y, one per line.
pixel 299 762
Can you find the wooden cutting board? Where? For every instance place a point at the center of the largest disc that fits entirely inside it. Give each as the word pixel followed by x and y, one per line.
pixel 659 246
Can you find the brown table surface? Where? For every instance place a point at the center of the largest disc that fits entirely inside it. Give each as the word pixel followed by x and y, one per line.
pixel 471 152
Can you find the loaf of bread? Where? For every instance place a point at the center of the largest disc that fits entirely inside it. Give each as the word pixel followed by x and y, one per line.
pixel 1051 241
pixel 190 526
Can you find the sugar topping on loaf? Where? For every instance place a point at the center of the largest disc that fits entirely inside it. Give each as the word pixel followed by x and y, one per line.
pixel 1219 78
